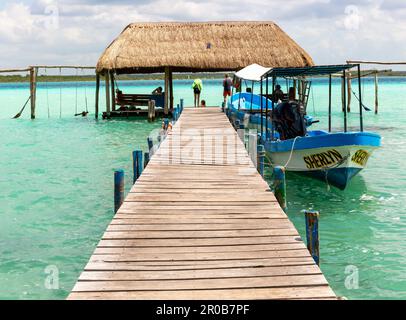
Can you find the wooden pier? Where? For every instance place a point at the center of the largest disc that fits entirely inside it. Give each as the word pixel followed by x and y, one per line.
pixel 201 223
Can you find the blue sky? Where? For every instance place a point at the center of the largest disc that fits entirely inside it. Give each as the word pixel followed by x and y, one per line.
pixel 76 32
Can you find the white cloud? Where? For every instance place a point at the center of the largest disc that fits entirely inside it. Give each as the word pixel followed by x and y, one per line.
pixel 331 31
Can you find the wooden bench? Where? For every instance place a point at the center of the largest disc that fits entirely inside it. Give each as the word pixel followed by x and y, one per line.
pixel 140 99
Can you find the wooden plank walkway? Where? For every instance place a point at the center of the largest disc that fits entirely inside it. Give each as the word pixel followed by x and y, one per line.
pixel 201 223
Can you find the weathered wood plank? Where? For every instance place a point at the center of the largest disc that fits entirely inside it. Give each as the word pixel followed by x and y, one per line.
pixel 203 241
pixel 198 274
pixel 198 284
pixel 121 248
pixel 305 292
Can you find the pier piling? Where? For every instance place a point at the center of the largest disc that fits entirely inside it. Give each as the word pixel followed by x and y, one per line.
pixel 137 164
pixel 376 93
pixel 146 159
pixel 312 234
pixel 96 111
pixel 261 159
pixel 252 148
pixel 280 186
pixel 150 142
pixel 118 189
pixel 33 90
pixel 151 110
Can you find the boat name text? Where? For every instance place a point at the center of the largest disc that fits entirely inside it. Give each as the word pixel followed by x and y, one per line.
pixel 360 157
pixel 323 159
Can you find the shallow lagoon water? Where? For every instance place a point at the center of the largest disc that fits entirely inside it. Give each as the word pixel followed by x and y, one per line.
pixel 57 175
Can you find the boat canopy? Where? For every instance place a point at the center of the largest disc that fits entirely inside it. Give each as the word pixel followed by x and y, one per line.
pixel 307 71
pixel 253 72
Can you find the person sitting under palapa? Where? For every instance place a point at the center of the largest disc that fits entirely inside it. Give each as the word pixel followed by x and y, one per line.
pixel 278 94
pixel 158 90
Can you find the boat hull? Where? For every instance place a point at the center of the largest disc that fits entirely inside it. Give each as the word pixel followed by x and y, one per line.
pixel 336 160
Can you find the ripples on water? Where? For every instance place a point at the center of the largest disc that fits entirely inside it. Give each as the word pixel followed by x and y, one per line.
pixel 56 190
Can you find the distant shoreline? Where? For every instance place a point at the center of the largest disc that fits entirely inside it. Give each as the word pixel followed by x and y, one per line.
pixel 157 77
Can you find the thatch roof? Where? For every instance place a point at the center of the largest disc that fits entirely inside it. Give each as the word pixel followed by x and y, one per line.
pixel 201 46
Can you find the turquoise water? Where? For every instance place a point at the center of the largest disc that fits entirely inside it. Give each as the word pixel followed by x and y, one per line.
pixel 56 188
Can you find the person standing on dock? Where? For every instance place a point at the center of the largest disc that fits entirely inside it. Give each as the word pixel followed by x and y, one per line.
pixel 227 84
pixel 197 87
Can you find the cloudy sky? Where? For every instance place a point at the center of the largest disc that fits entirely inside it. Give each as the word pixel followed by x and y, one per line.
pixel 34 32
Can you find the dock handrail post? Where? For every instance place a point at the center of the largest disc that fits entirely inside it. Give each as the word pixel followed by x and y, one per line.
pixel 151 150
pixel 166 124
pixel 137 165
pixel 118 189
pixel 146 159
pixel 279 184
pixel 261 159
pixel 181 105
pixel 237 124
pixel 241 132
pixel 252 148
pixel 312 234
pixel 151 110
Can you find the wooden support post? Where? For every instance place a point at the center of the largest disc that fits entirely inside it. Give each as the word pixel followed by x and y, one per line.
pixel 279 184
pixel 236 124
pixel 166 124
pixel 174 115
pixel 96 109
pixel 137 165
pixel 113 92
pixel 241 132
pixel 261 159
pixel 178 112
pixel 171 90
pixel 151 110
pixel 376 93
pixel 33 90
pixel 252 148
pixel 107 93
pixel 343 102
pixel 107 83
pixel 150 145
pixel 118 189
pixel 166 105
pixel 349 92
pixel 146 159
pixel 312 234
pixel 181 105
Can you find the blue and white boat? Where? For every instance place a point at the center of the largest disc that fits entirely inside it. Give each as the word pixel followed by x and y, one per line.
pixel 285 128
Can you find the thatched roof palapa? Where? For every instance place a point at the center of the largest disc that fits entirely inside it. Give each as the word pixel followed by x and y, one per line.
pixel 201 46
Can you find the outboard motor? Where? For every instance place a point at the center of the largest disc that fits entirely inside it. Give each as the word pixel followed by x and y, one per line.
pixel 289 120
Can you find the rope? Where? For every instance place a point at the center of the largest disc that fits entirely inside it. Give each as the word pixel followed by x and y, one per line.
pixel 363 105
pixel 291 151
